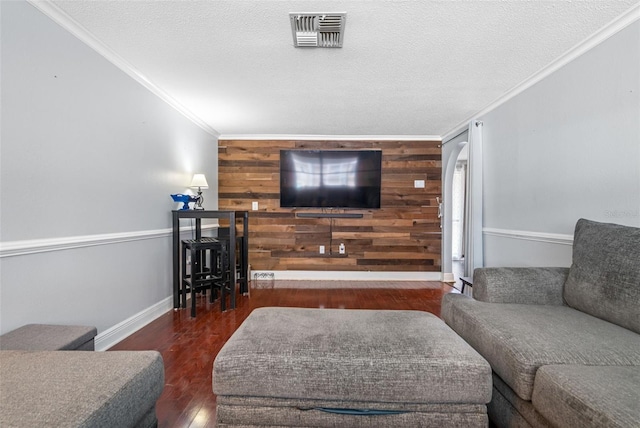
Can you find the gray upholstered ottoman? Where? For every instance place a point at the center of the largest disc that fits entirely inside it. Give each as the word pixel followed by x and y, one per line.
pixel 47 337
pixel 339 367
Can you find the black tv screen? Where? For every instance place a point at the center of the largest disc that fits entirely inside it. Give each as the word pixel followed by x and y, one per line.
pixel 330 178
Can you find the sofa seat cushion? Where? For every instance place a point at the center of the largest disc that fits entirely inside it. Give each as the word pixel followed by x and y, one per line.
pixel 79 389
pixel 347 355
pixel 604 279
pixel 47 337
pixel 588 396
pixel 518 339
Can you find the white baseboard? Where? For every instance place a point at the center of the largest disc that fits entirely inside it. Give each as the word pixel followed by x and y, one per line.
pixel 118 332
pixel 448 277
pixel 315 137
pixel 346 276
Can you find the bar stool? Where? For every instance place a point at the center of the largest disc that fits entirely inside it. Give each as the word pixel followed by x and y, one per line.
pixel 208 258
pixel 242 262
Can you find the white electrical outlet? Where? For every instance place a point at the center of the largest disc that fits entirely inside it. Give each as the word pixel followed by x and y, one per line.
pixel 342 248
pixel 418 184
pixel 254 205
pixel 321 249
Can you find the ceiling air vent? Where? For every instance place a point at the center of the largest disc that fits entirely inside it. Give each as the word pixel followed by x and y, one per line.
pixel 317 30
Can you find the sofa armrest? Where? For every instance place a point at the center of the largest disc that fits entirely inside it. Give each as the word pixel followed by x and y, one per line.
pixel 534 286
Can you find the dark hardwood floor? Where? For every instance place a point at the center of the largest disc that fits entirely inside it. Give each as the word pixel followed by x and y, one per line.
pixel 189 345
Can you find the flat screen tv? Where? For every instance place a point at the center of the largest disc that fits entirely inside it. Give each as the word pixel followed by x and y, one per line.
pixel 330 178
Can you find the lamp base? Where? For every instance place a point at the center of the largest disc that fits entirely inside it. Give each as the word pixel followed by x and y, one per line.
pixel 199 199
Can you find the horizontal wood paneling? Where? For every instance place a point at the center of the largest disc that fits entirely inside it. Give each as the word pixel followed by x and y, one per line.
pixel 403 235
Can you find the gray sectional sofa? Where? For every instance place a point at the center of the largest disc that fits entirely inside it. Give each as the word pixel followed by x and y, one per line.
pixel 50 376
pixel 563 343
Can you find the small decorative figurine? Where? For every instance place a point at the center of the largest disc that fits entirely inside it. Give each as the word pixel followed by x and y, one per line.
pixel 185 199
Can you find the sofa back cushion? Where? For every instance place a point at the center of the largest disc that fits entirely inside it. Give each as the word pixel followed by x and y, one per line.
pixel 604 279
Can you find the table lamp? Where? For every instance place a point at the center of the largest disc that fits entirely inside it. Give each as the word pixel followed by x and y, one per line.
pixel 199 181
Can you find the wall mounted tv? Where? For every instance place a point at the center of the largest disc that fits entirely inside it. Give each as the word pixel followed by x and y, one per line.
pixel 330 178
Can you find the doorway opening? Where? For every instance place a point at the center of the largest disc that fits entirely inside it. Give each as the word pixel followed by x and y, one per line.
pixel 458 209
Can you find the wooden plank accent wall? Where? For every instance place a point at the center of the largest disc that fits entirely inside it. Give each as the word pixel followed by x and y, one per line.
pixel 403 235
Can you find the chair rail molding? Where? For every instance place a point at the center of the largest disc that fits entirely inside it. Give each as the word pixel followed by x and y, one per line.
pixel 552 238
pixel 35 246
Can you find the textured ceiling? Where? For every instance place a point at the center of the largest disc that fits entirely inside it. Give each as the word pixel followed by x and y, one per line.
pixel 406 68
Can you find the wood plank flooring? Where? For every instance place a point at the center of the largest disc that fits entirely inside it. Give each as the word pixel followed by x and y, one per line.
pixel 189 345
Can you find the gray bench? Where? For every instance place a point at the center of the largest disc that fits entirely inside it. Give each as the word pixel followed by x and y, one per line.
pixel 339 367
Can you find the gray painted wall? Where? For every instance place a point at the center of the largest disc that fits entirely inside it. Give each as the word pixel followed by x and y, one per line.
pixel 566 148
pixel 86 150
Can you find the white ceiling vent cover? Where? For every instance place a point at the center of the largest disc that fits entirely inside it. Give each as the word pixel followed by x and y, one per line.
pixel 318 30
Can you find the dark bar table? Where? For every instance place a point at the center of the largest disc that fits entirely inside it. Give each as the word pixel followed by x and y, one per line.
pixel 198 215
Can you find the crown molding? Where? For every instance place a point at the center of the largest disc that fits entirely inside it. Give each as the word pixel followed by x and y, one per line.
pixel 615 26
pixel 329 137
pixel 71 25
